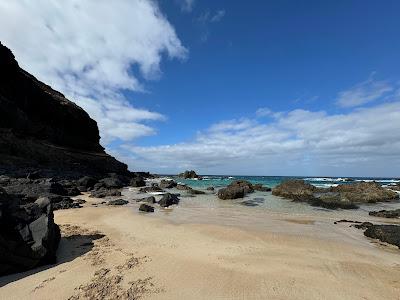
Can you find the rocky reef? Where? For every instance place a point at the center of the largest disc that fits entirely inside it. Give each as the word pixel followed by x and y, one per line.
pixel 344 196
pixel 42 130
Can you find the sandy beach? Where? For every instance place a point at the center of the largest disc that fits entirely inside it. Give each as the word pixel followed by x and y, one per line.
pixel 118 253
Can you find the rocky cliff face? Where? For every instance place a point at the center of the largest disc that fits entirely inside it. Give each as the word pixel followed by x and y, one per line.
pixel 41 129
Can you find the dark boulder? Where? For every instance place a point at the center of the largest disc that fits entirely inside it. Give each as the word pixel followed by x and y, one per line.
pixel 231 193
pixel 70 187
pixel 210 188
pixel 104 192
pixel 237 189
pixel 386 213
pixel 297 190
pixel 86 183
pixel 385 233
pixel 137 182
pixel 117 202
pixel 146 208
pixel 168 200
pixel 167 184
pixel 28 235
pixel 244 184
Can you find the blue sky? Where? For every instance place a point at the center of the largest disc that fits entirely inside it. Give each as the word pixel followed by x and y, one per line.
pixel 226 87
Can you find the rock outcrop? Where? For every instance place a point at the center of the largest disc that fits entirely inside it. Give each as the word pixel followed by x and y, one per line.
pixel 28 235
pixel 189 175
pixel 239 188
pixel 392 214
pixel 385 233
pixel 343 196
pixel 42 130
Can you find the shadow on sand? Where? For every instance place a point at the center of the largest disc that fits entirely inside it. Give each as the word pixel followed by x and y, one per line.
pixel 70 247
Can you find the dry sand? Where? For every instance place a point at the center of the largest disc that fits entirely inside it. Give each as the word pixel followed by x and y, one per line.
pixel 117 253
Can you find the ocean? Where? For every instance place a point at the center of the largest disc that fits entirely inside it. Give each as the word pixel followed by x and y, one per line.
pixel 271 181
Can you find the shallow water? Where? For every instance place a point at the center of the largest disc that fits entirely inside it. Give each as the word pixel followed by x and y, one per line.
pixel 258 210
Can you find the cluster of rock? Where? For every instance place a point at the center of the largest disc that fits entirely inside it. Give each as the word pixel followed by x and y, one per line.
pixel 385 233
pixel 166 200
pixel 239 188
pixel 344 196
pixel 189 175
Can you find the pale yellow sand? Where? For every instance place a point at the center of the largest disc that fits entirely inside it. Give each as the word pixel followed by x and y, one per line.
pixel 142 256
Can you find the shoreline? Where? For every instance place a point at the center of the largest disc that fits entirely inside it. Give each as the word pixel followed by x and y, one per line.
pixel 149 257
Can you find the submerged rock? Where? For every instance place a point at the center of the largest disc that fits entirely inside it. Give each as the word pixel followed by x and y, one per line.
pixel 195 192
pixel 230 193
pixel 28 235
pixel 386 213
pixel 385 233
pixel 146 208
pixel 168 200
pixel 210 188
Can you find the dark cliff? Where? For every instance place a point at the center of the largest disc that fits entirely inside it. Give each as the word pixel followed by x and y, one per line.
pixel 42 130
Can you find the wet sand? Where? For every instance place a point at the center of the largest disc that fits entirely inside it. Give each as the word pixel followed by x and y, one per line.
pixel 118 253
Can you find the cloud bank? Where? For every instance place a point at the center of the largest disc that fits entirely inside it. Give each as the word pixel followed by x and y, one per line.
pixel 86 49
pixel 364 142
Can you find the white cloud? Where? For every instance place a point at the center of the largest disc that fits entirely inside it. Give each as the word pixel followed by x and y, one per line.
pixel 86 50
pixel 264 112
pixel 208 17
pixel 364 142
pixel 186 5
pixel 364 92
pixel 218 16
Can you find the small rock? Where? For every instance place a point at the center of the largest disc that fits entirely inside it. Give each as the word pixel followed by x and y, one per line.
pixel 146 208
pixel 117 202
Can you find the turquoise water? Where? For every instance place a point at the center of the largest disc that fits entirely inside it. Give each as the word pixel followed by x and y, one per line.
pixel 271 181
